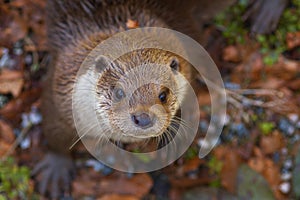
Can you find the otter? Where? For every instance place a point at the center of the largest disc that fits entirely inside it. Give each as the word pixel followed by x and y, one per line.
pixel 74 29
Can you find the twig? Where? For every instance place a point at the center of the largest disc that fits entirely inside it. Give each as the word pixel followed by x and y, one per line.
pixel 17 141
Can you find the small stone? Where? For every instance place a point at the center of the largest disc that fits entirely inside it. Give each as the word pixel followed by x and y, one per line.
pixel 284 151
pixel 298 124
pixel 107 170
pixel 28 59
pixel 293 117
pixel 276 157
pixel 286 127
pixel 97 166
pixel 25 120
pixel 34 116
pixel 3 100
pixel 18 51
pixel 288 164
pixel 286 176
pixel 25 143
pixel 285 187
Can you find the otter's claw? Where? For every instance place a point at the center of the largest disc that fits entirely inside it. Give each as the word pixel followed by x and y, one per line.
pixel 56 174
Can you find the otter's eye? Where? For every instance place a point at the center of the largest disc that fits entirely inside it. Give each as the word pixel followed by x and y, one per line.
pixel 119 94
pixel 163 97
pixel 174 64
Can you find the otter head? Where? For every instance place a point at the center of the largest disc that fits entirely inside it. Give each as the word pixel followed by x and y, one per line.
pixel 139 94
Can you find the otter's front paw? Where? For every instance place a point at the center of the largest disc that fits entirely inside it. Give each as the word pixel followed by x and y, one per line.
pixel 56 172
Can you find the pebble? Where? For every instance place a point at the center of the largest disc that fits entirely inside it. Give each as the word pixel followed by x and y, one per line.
pixel 288 164
pixel 106 170
pixel 25 143
pixel 25 120
pixel 276 157
pixel 286 127
pixel 239 129
pixel 293 117
pixel 285 187
pixel 97 166
pixel 34 116
pixel 3 100
pixel 284 151
pixel 286 176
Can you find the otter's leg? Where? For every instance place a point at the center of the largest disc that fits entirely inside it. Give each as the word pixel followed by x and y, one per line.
pixel 56 170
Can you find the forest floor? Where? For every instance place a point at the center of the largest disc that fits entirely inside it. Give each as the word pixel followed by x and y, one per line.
pixel 257 156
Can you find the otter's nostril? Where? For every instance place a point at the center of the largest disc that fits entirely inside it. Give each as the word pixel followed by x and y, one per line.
pixel 142 120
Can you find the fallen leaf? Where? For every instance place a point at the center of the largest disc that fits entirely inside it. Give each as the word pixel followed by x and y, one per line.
pixel 272 143
pixel 132 24
pixel 11 82
pixel 13 109
pixel 117 197
pixel 293 39
pixel 13 27
pixel 139 185
pixel 190 165
pixel 4 148
pixel 232 54
pixel 6 132
pixel 231 159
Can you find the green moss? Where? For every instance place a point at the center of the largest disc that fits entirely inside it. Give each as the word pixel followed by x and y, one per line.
pixel 14 181
pixel 266 127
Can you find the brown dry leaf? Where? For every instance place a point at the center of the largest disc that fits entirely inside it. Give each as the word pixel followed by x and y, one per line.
pixel 229 171
pixel 7 138
pixel 11 82
pixel 271 173
pixel 12 110
pixel 4 148
pixel 139 185
pixel 12 26
pixel 290 65
pixel 293 40
pixel 33 13
pixel 232 54
pixel 190 165
pixel 117 197
pixel 256 163
pixel 231 159
pixel 272 143
pixel 84 187
pixel 294 84
pixel 6 132
pixel 132 24
pixel 270 83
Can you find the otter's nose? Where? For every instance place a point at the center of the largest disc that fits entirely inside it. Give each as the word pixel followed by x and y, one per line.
pixel 142 120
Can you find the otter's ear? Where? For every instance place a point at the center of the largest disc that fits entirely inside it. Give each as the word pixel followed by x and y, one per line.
pixel 174 64
pixel 101 62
